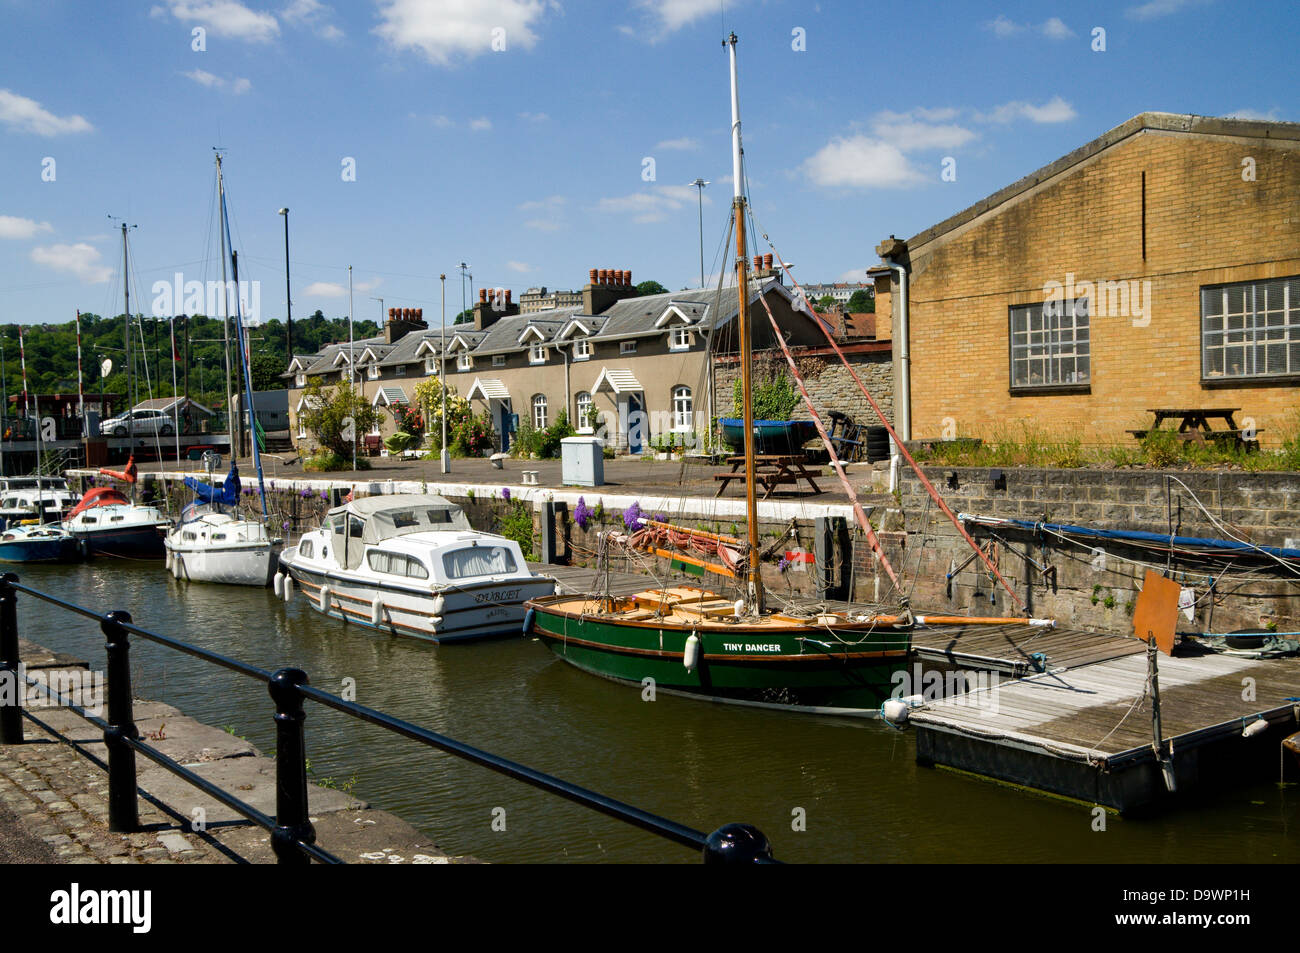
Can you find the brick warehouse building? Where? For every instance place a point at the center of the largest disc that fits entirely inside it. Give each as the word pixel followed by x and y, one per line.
pixel 1156 266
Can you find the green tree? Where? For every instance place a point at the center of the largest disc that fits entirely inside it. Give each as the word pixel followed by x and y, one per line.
pixel 325 410
pixel 824 302
pixel 862 301
pixel 650 288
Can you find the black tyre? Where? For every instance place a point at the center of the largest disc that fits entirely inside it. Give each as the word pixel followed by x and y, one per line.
pixel 165 430
pixel 119 431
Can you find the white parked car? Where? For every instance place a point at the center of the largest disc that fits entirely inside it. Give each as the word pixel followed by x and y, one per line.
pixel 138 422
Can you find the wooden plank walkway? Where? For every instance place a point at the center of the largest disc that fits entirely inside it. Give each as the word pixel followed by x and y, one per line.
pixel 1086 733
pixel 1011 649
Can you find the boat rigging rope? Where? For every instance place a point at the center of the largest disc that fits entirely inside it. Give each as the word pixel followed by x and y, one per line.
pixel 898 443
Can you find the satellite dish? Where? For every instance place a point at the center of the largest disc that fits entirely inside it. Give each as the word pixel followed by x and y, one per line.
pixel 106 367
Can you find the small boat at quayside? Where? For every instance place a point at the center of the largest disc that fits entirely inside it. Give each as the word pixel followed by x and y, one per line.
pixel 410 564
pixel 38 544
pixel 111 525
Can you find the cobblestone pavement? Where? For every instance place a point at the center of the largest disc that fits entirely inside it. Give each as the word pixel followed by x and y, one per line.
pixel 59 801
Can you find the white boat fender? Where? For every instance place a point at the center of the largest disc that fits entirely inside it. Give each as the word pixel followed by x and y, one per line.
pixel 1256 727
pixel 276 583
pixel 288 587
pixel 895 711
pixel 691 654
pixel 376 610
pixel 439 603
pixel 324 598
pixel 529 616
pixel 178 566
pixel 167 563
pixel 740 607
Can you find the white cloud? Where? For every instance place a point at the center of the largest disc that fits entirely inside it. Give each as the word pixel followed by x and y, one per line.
pixel 534 117
pixel 226 18
pixel 1160 8
pixel 81 260
pixel 212 81
pixel 27 115
pixel 481 124
pixel 684 144
pixel 910 135
pixel 519 266
pixel 439 121
pixel 447 31
pixel 314 15
pixel 1054 110
pixel 1053 28
pixel 669 16
pixel 652 205
pixel 854 275
pixel 860 162
pixel 325 289
pixel 1271 116
pixel 550 212
pixel 11 227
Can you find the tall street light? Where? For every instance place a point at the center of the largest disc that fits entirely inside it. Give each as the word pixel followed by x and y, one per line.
pixel 442 377
pixel 288 301
pixel 350 371
pixel 699 185
pixel 464 272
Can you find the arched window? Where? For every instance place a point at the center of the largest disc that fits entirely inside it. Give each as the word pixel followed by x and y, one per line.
pixel 539 411
pixel 683 408
pixel 585 406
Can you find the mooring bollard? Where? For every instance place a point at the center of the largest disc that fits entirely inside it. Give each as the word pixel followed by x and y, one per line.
pixel 292 822
pixel 123 808
pixel 737 844
pixel 11 702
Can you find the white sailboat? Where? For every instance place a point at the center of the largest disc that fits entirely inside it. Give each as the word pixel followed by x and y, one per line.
pixel 210 544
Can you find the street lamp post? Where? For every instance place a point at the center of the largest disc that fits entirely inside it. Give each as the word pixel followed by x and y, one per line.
pixel 699 185
pixel 442 377
pixel 351 370
pixel 288 300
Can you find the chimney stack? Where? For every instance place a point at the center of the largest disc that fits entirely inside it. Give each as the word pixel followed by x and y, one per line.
pixel 606 286
pixel 401 321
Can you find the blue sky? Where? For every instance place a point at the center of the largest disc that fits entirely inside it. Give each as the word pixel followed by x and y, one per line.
pixel 529 162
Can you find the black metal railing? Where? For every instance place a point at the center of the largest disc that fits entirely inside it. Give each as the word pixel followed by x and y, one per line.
pixel 292 834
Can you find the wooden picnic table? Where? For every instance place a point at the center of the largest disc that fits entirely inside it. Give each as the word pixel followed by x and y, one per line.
pixel 1194 423
pixel 771 470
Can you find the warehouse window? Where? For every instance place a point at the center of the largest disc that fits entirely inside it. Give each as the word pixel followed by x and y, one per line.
pixel 1251 329
pixel 1050 345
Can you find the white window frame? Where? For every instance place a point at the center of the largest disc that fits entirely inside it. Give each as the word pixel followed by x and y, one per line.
pixel 1249 324
pixel 580 405
pixel 581 349
pixel 372 372
pixel 627 347
pixel 302 428
pixel 431 364
pixel 399 370
pixel 683 409
pixel 679 339
pixel 537 354
pixel 1050 350
pixel 464 361
pixel 300 380
pixel 539 405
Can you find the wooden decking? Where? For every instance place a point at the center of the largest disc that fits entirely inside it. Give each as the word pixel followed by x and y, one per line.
pixel 1019 650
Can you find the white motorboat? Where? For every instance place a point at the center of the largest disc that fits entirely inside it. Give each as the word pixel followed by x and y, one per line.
pixel 35 505
pixel 410 564
pixel 107 523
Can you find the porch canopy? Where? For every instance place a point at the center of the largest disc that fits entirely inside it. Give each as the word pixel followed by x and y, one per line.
pixel 488 388
pixel 617 380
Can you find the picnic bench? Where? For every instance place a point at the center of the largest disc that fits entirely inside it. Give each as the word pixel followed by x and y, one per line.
pixel 771 470
pixel 1194 425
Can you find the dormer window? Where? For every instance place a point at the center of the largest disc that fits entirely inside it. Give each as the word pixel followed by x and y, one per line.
pixel 300 380
pixel 627 347
pixel 498 360
pixel 581 349
pixel 679 339
pixel 431 364
pixel 464 361
pixel 373 372
pixel 537 354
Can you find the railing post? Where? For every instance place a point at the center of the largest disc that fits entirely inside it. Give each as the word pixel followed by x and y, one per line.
pixel 291 817
pixel 11 702
pixel 123 808
pixel 737 844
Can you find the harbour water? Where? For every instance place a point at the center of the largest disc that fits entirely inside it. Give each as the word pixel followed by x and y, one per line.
pixel 853 787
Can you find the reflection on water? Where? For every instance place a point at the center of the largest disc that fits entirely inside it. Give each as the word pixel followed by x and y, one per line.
pixel 703 765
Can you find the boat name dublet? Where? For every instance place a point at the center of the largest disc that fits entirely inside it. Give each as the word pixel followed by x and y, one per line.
pixel 509 595
pixel 750 647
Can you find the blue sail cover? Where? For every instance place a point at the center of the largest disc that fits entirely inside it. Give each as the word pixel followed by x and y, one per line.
pixel 226 495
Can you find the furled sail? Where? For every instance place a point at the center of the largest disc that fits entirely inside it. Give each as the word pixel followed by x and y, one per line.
pixel 227 494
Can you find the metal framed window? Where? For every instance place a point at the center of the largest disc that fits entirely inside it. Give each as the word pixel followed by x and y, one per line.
pixel 539 411
pixel 1050 345
pixel 683 408
pixel 1251 329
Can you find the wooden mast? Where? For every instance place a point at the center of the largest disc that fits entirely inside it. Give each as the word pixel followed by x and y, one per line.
pixel 754 601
